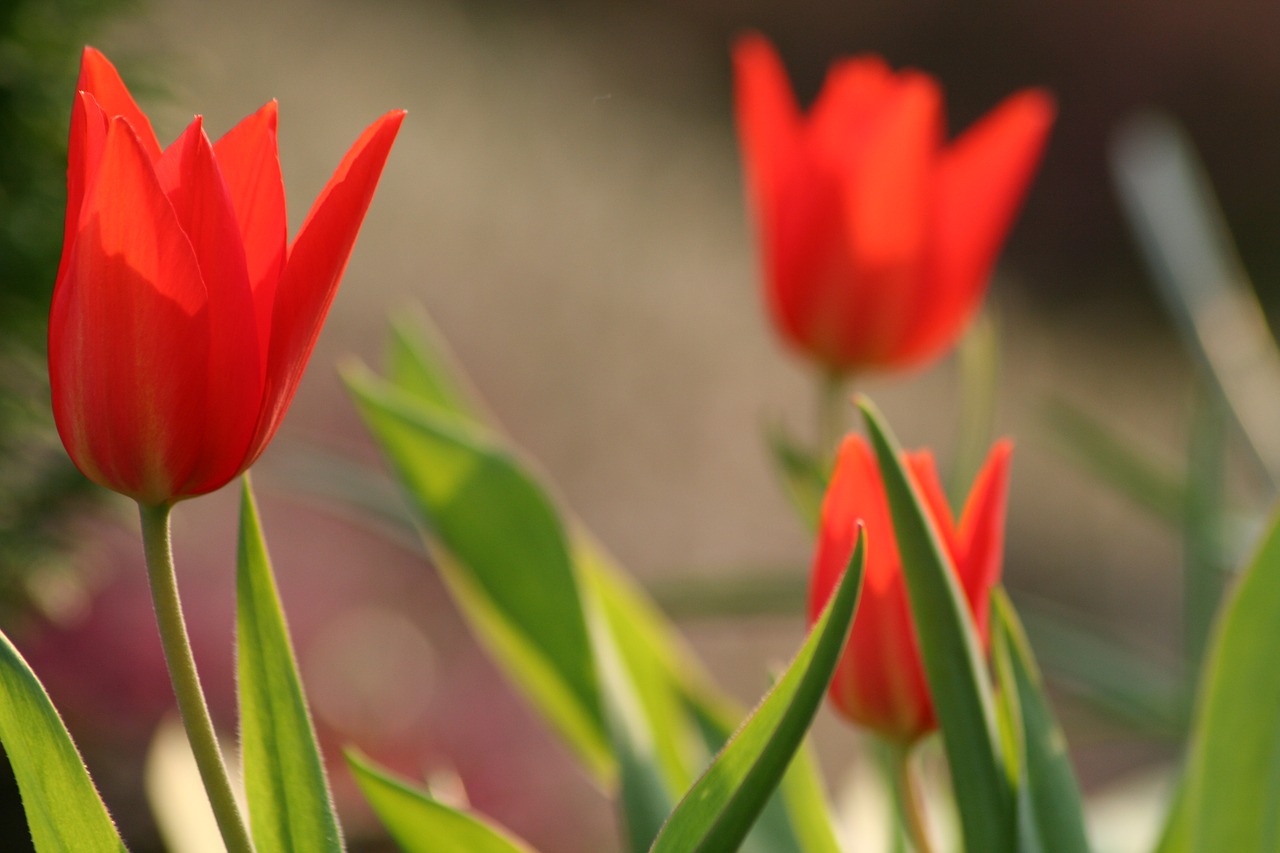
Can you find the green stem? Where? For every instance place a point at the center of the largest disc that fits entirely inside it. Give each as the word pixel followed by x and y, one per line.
pixel 908 795
pixel 833 406
pixel 186 681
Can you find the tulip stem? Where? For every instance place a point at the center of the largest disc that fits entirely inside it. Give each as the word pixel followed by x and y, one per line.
pixel 186 681
pixel 909 799
pixel 832 408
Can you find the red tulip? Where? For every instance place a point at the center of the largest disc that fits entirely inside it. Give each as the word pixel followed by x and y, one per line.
pixel 880 681
pixel 182 319
pixel 877 237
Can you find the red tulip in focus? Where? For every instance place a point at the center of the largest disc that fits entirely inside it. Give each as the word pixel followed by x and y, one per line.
pixel 182 319
pixel 880 681
pixel 878 238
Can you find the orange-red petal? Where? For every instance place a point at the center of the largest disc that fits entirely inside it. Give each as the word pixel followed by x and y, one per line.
pixel 190 177
pixel 249 159
pixel 315 264
pixel 128 333
pixel 99 78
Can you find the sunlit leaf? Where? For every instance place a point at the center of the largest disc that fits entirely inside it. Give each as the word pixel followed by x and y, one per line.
pixel 500 546
pixel 1232 781
pixel 718 811
pixel 290 806
pixel 421 824
pixel 64 812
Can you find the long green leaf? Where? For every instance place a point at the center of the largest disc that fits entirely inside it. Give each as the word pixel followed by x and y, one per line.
pixel 666 697
pixel 718 811
pixel 421 824
pixel 1232 783
pixel 1048 781
pixel 952 657
pixel 64 812
pixel 290 805
pixel 500 546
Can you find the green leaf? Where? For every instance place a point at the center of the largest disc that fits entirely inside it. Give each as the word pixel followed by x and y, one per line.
pixel 64 812
pixel 1047 783
pixel 290 805
pixel 1127 466
pixel 500 546
pixel 421 824
pixel 418 363
pixel 718 811
pixel 952 656
pixel 665 697
pixel 672 686
pixel 803 474
pixel 1232 781
pixel 1113 677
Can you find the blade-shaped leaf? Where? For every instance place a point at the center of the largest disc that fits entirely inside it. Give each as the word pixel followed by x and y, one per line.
pixel 501 547
pixel 64 812
pixel 718 811
pixel 672 697
pixel 1232 784
pixel 803 474
pixel 421 824
pixel 952 656
pixel 1047 783
pixel 290 805
pixel 418 363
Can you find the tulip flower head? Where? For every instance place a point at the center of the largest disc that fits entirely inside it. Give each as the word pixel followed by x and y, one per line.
pixel 880 681
pixel 877 237
pixel 182 318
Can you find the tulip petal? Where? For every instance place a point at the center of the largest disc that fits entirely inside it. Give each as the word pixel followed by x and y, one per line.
pixel 190 177
pixel 84 151
pixel 316 261
pixel 250 162
pixel 767 114
pixel 880 680
pixel 888 191
pixel 981 533
pixel 925 473
pixel 982 178
pixel 851 105
pixel 128 333
pixel 99 78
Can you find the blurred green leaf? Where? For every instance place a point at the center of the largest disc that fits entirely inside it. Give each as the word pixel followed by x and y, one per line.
pixel 1204 559
pixel 1232 781
pixel 499 545
pixel 1172 209
pixel 718 811
pixel 290 805
pixel 1127 466
pixel 418 363
pixel 1114 678
pixel 803 474
pixel 64 812
pixel 1048 794
pixel 421 824
pixel 952 657
pixel 658 700
pixel 979 361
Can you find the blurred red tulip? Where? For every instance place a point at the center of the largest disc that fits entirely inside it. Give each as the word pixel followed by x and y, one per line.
pixel 877 238
pixel 182 320
pixel 880 681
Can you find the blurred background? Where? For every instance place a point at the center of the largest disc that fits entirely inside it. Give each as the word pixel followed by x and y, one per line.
pixel 565 204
